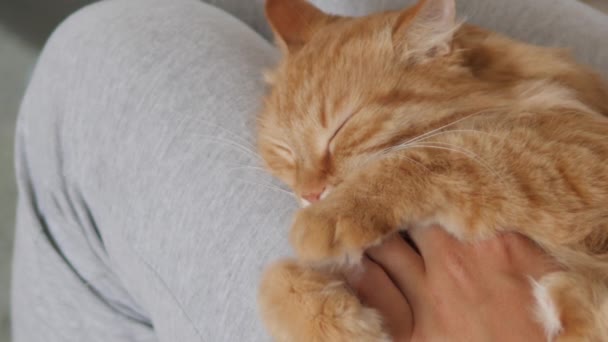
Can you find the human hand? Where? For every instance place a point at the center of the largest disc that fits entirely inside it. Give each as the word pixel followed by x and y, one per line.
pixel 454 291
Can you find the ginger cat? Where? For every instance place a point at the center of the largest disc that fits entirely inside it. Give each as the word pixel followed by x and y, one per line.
pixel 410 118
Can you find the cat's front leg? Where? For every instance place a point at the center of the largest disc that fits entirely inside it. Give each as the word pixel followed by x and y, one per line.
pixel 340 227
pixel 392 195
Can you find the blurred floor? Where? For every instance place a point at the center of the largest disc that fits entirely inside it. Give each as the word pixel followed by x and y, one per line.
pixel 599 4
pixel 21 35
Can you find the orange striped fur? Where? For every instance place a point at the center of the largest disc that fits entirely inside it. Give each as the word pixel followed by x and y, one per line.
pixel 408 118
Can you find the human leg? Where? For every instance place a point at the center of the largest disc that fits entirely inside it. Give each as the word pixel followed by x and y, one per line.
pixel 141 214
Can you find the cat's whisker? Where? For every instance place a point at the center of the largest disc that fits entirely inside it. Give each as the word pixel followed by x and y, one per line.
pixel 438 129
pixel 417 163
pixel 389 149
pixel 270 187
pixel 249 152
pixel 247 167
pixel 460 131
pixel 460 149
pixel 229 132
pixel 423 138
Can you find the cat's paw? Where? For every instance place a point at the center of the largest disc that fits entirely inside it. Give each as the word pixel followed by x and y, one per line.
pixel 301 304
pixel 337 231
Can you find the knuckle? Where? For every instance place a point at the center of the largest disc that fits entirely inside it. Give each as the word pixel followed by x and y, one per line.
pixel 458 267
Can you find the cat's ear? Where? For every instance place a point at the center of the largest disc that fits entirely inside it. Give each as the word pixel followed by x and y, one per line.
pixel 426 30
pixel 294 22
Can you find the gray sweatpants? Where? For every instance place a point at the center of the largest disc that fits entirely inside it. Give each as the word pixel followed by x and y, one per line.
pixel 143 214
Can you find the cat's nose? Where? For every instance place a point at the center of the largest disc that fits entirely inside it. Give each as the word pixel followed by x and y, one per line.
pixel 313 196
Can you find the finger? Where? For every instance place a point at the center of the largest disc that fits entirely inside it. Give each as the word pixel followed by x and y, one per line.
pixel 402 264
pixel 375 289
pixel 433 242
pixel 527 256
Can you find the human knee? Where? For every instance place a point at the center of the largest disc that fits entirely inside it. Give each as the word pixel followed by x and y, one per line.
pixel 131 23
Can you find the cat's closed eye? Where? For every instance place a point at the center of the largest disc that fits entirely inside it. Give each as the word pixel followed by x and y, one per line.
pixel 284 152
